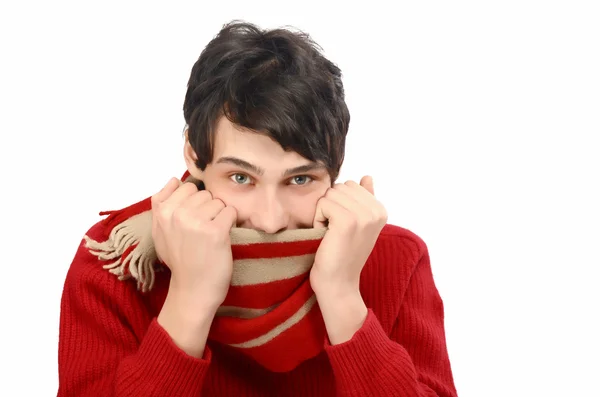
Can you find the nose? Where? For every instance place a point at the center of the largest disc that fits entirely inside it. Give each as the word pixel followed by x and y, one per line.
pixel 270 215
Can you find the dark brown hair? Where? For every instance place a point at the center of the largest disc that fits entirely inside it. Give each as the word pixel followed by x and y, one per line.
pixel 275 82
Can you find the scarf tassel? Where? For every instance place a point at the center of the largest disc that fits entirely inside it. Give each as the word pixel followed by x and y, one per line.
pixel 129 244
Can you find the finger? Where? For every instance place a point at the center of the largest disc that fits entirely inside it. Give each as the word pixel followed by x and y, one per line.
pixel 367 183
pixel 344 196
pixel 166 191
pixel 358 193
pixel 180 195
pixel 327 211
pixel 209 210
pixel 197 199
pixel 227 218
pixel 320 220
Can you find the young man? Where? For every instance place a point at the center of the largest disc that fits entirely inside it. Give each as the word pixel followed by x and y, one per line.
pixel 255 274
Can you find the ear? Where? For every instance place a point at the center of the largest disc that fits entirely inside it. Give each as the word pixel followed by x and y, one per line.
pixel 190 157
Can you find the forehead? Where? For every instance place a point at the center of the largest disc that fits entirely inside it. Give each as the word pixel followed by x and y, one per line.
pixel 253 147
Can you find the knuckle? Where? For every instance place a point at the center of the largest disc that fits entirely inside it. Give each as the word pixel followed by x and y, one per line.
pixel 162 213
pixel 195 227
pixel 220 203
pixel 384 215
pixel 180 215
pixel 188 186
pixel 380 213
pixel 230 212
pixel 205 195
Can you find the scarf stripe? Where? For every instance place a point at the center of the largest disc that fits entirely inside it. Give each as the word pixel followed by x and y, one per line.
pixel 243 236
pixel 280 328
pixel 268 270
pixel 275 250
pixel 232 330
pixel 280 354
pixel 259 296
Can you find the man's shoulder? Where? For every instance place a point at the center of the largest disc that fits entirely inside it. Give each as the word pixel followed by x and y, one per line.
pixel 93 283
pixel 120 246
pixel 401 240
pixel 389 269
pixel 92 270
pixel 86 265
pixel 97 231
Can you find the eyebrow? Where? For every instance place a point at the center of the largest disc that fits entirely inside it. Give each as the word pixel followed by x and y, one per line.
pixel 259 171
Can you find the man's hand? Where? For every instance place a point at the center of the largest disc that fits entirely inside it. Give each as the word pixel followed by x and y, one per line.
pixel 191 235
pixel 354 218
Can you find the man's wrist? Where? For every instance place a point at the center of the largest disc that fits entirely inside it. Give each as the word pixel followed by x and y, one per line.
pixel 187 322
pixel 344 312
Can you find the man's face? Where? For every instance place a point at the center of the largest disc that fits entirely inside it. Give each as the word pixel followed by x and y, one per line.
pixel 272 190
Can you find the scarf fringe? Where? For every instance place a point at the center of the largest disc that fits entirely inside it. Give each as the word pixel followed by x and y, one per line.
pixel 130 243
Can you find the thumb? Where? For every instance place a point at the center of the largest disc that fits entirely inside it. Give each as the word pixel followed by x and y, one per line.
pixel 367 183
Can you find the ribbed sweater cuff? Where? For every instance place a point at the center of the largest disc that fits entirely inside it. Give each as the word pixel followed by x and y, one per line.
pixel 170 369
pixel 371 363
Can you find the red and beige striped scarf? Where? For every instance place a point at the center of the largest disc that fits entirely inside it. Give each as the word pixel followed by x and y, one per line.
pixel 270 313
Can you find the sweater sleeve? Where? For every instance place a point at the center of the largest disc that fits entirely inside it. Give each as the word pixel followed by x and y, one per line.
pixel 412 361
pixel 100 354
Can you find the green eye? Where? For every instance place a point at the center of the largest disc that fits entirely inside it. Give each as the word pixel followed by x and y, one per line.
pixel 240 179
pixel 300 180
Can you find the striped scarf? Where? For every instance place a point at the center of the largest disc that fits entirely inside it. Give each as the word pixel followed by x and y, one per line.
pixel 270 312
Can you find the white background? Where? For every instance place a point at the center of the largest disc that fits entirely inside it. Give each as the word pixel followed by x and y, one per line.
pixel 479 121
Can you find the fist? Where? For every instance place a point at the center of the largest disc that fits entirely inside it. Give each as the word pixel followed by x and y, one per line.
pixel 191 235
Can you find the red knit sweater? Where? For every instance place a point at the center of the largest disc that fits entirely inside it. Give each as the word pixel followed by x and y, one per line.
pixel 111 345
